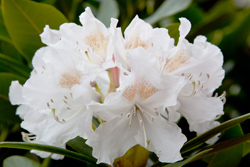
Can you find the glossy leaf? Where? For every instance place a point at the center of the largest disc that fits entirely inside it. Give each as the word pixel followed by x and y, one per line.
pixel 20 161
pixel 173 31
pixel 226 145
pixel 108 9
pixel 135 156
pixel 25 20
pixel 7 111
pixel 230 157
pixel 9 50
pixel 211 133
pixel 168 8
pixel 188 160
pixel 78 144
pixel 5 80
pixel 4 35
pixel 52 149
pixel 8 64
pixel 246 148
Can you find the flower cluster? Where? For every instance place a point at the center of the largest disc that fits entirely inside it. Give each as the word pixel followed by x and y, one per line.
pixel 137 87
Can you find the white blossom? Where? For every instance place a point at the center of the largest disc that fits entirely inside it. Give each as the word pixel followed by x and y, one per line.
pixel 200 64
pixel 133 113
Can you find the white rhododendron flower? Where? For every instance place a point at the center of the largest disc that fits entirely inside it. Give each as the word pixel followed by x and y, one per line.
pixel 135 110
pixel 135 86
pixel 201 65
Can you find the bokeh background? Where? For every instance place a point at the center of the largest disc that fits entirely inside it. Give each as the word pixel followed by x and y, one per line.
pixel 225 23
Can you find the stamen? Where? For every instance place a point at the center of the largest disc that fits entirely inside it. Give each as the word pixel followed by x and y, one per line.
pixel 143 128
pixel 128 115
pixel 149 117
pixel 65 101
pixel 156 112
pixel 68 119
pixel 48 105
pixel 223 97
pixel 192 93
pixel 28 137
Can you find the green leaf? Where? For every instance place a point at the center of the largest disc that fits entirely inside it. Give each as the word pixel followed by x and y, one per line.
pixel 230 157
pixel 135 156
pixel 78 144
pixel 9 50
pixel 25 20
pixel 8 64
pixel 222 146
pixel 108 9
pixel 5 80
pixel 4 35
pixel 46 148
pixel 246 148
pixel 173 31
pixel 168 8
pixel 188 160
pixel 7 111
pixel 20 161
pixel 188 146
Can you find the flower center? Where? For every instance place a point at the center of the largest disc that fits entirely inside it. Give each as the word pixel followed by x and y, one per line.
pixel 97 41
pixel 70 78
pixel 142 116
pixel 141 88
pixel 176 62
pixel 136 42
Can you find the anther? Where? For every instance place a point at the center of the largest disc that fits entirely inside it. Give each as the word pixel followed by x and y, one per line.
pixel 156 112
pixel 208 76
pixel 48 104
pixel 65 97
pixel 52 100
pixel 128 115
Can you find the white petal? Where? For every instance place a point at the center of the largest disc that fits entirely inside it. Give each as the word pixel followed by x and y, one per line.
pixel 22 110
pixel 198 109
pixel 184 28
pixel 165 139
pixel 203 127
pixel 15 93
pixel 110 142
pixel 49 36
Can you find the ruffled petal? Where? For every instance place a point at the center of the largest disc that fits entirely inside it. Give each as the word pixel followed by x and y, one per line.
pixel 110 142
pixel 49 36
pixel 165 139
pixel 198 109
pixel 16 94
